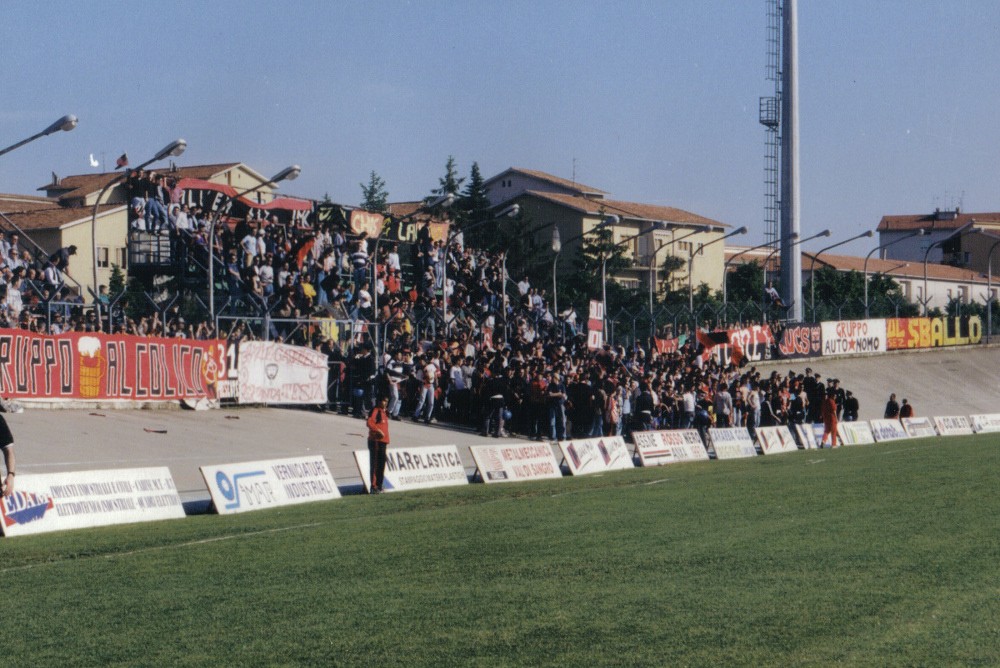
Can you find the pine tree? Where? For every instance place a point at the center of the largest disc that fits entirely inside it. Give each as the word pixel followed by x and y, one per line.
pixel 450 183
pixel 374 195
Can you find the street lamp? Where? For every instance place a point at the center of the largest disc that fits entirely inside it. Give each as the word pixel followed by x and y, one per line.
pixel 287 174
pixel 66 123
pixel 174 148
pixel 917 233
pixel 652 259
pixel 511 211
pixel 701 248
pixel 812 266
pixel 794 242
pixel 725 270
pixel 957 233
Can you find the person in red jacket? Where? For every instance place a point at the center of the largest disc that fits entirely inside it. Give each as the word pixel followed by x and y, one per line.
pixel 378 440
pixel 829 413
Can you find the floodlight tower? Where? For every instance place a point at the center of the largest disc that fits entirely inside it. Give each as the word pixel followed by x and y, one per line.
pixel 791 260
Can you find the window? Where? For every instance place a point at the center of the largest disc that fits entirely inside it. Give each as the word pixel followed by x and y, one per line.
pixel 963 293
pixel 684 246
pixel 121 257
pixel 102 257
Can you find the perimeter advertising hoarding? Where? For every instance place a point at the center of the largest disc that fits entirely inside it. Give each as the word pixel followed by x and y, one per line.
pixel 953 425
pixel 101 366
pixel 903 333
pixel 276 373
pixel 919 427
pixel 985 423
pixel 731 443
pixel 799 340
pixel 60 501
pixel 855 433
pixel 888 430
pixel 519 461
pixel 853 337
pixel 594 455
pixel 416 468
pixel 657 448
pixel 245 486
pixel 809 438
pixel 775 440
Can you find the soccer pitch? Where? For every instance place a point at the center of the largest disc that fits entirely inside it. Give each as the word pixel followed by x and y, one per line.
pixel 867 555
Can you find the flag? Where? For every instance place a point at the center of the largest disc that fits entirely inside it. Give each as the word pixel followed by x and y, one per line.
pixel 666 346
pixel 122 161
pixel 712 339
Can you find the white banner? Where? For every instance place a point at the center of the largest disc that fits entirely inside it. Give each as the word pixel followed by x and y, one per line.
pixel 985 423
pixel 807 435
pixel 888 430
pixel 919 427
pixel 853 337
pixel 237 488
pixel 416 468
pixel 593 455
pixel 520 461
pixel 657 448
pixel 59 501
pixel 774 440
pixel 953 425
pixel 855 433
pixel 275 373
pixel 732 443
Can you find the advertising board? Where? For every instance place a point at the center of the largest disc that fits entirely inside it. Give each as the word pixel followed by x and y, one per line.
pixel 853 337
pixel 775 440
pixel 594 455
pixel 888 430
pixel 809 439
pixel 953 425
pixel 855 433
pixel 416 468
pixel 518 461
pixel 919 427
pixel 731 443
pixel 657 448
pixel 245 486
pixel 987 422
pixel 59 501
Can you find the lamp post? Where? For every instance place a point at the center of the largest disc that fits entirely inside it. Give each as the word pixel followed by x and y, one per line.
pixel 957 233
pixel 701 247
pixel 795 241
pixel 174 148
pixel 812 266
pixel 287 174
pixel 725 270
pixel 989 289
pixel 510 212
pixel 917 233
pixel 556 250
pixel 652 259
pixel 66 123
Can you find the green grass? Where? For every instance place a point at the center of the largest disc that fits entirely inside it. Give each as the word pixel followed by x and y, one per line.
pixel 869 555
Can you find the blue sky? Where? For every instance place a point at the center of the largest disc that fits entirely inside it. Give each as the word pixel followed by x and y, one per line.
pixel 653 102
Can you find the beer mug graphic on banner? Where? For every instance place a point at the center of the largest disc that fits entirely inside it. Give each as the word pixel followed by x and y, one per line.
pixel 91 366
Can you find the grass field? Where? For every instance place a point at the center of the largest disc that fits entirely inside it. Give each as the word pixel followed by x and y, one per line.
pixel 870 555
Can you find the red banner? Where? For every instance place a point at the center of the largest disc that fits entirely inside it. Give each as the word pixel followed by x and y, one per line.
pixel 99 367
pixel 283 203
pixel 666 346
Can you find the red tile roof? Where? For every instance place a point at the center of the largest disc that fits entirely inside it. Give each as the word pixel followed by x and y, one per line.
pixel 55 216
pixel 627 209
pixel 943 220
pixel 555 180
pixel 82 185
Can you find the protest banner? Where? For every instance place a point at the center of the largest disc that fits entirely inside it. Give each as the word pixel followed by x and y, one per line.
pixel 775 440
pixel 59 501
pixel 277 373
pixel 520 461
pixel 953 425
pixel 888 430
pixel 904 333
pixel 416 468
pixel 244 486
pixel 731 443
pixel 657 448
pixel 594 455
pixel 800 340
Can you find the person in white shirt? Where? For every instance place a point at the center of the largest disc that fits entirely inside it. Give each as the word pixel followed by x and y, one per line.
pixel 425 406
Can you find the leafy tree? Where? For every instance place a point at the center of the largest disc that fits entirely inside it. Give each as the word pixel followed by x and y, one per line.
pixel 745 283
pixel 374 195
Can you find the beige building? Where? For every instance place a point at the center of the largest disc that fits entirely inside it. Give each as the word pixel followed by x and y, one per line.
pixel 63 217
pixel 648 233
